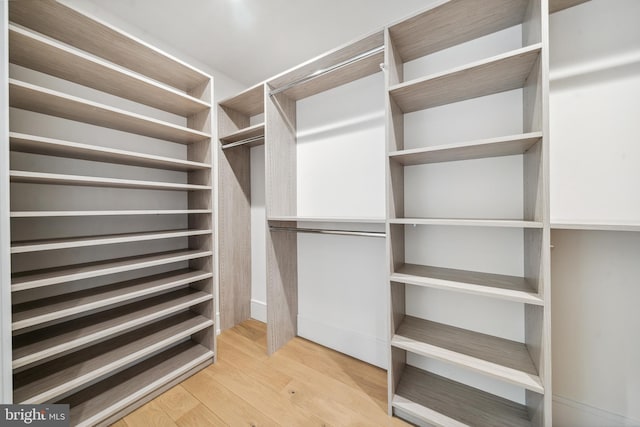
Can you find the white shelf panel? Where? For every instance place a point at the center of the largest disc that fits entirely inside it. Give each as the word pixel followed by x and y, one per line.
pixel 97 403
pixel 31 50
pixel 95 181
pixel 55 308
pixel 441 402
pixel 54 147
pixel 46 101
pixel 55 214
pixel 596 226
pixel 510 288
pixel 53 341
pixel 497 74
pixel 449 23
pixel 48 277
pixel 63 23
pixel 499 358
pixel 89 365
pixel 328 219
pixel 499 223
pixel 54 244
pixel 493 147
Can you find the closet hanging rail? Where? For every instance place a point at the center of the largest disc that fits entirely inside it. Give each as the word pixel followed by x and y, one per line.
pixel 243 142
pixel 327 70
pixel 326 231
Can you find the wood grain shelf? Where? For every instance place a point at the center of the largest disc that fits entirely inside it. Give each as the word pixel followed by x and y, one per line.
pixel 558 5
pixel 112 239
pixel 596 225
pixel 38 312
pixel 453 22
pixel 48 56
pixel 249 102
pixel 44 344
pixel 499 358
pixel 33 144
pixel 55 214
pixel 95 181
pixel 499 223
pixel 34 98
pixel 494 75
pixel 510 288
pixel 250 132
pixel 63 23
pixel 98 402
pixel 493 147
pixel 106 358
pixel 53 276
pixel 347 73
pixel 442 402
pixel 328 219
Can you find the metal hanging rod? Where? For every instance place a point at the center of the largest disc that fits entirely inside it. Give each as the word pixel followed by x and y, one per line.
pixel 335 232
pixel 321 72
pixel 243 142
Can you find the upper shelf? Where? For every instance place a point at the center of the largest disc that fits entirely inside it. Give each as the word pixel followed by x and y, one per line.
pixel 596 225
pixel 95 36
pixel 452 22
pixel 558 5
pixel 313 76
pixel 33 51
pixel 59 214
pixel 249 102
pixel 500 223
pixel 41 100
pixel 497 74
pixel 328 219
pixel 54 147
pixel 493 147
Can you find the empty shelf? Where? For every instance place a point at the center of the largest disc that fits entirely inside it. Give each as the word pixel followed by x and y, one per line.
pixel 48 56
pixel 53 341
pixel 52 276
pixel 55 147
pixel 494 147
pixel 55 308
pixel 53 244
pixel 558 5
pixel 450 23
pixel 97 181
pixel 442 402
pixel 249 102
pixel 500 223
pixel 46 101
pixel 110 396
pixel 34 386
pixel 497 357
pixel 497 74
pixel 328 219
pixel 500 286
pixel 249 133
pixel 63 23
pixel 53 214
pixel 596 225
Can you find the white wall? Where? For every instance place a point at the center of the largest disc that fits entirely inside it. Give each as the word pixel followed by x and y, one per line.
pixel 595 153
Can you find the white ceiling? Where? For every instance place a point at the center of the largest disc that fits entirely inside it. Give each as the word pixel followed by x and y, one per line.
pixel 252 40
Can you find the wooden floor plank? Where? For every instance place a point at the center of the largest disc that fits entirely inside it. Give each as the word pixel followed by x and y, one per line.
pixel 151 414
pixel 177 402
pixel 200 416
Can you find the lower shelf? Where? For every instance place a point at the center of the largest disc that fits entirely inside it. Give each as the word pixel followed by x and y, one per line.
pixel 106 398
pixel 442 402
pixel 69 373
pixel 44 344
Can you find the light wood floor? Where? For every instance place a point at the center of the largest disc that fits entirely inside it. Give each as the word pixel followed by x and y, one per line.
pixel 303 384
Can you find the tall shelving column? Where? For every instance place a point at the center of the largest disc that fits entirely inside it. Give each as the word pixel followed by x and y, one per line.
pixel 101 320
pixel 416 393
pixel 237 135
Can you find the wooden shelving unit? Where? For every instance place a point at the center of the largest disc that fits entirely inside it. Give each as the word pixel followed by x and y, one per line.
pixel 124 322
pixel 423 395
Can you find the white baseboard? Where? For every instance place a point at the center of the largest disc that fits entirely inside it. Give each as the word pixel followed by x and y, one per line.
pixel 356 344
pixel 570 413
pixel 259 310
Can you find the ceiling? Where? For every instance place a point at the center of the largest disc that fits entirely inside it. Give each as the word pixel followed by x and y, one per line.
pixel 252 40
